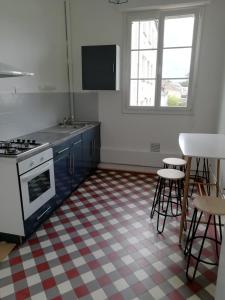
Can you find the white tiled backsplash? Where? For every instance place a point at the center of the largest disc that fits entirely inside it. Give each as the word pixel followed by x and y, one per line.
pixel 24 113
pixel 86 106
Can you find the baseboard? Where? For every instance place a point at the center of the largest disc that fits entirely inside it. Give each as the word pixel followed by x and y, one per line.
pixel 127 168
pixel 134 157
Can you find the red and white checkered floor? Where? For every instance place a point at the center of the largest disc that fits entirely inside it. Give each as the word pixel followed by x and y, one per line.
pixel 101 245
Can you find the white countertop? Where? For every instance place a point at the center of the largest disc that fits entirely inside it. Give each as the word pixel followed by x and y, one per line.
pixel 202 145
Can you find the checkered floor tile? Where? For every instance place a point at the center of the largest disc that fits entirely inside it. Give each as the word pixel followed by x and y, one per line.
pixel 100 244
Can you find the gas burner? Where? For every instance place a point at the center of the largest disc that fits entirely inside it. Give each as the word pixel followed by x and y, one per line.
pixel 16 147
pixel 11 151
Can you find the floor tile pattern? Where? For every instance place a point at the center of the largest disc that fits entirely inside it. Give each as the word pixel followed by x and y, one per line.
pixel 100 244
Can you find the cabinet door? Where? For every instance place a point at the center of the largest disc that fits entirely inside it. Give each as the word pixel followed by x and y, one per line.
pixel 62 166
pixel 87 152
pixel 91 150
pixel 76 158
pixel 96 147
pixel 99 65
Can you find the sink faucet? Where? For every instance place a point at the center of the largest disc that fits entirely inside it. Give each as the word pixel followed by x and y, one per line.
pixel 67 121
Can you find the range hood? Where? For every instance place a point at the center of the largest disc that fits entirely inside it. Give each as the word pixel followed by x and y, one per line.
pixel 9 71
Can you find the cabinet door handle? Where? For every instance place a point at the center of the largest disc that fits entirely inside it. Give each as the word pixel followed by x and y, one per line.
pixel 113 68
pixel 63 150
pixel 76 143
pixel 73 164
pixel 91 146
pixel 70 164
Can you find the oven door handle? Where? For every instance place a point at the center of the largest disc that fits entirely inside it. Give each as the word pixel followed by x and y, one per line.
pixel 34 173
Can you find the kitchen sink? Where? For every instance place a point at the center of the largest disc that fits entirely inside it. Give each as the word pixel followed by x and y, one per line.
pixel 75 126
pixel 68 128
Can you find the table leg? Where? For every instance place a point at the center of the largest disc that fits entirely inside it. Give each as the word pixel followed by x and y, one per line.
pixel 185 198
pixel 218 178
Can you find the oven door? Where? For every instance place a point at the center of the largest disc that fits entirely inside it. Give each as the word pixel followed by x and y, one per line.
pixel 37 187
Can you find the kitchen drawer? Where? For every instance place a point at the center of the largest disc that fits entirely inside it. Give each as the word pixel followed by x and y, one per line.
pixel 61 148
pixel 28 164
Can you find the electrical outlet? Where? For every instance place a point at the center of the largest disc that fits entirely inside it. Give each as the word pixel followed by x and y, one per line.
pixel 155 147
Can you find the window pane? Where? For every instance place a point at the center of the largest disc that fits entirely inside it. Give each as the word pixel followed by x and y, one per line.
pixel 176 63
pixel 134 64
pixel 134 35
pixel 174 93
pixel 178 31
pixel 133 93
pixel 147 64
pixel 148 34
pixel 146 93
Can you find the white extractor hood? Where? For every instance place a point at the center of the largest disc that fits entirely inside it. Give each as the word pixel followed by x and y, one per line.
pixel 9 71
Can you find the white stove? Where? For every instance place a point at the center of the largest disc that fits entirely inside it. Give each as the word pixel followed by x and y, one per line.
pixel 27 183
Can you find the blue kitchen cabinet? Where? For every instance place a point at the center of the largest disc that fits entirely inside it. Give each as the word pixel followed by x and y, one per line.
pixel 76 161
pixel 91 150
pixel 96 147
pixel 87 152
pixel 63 172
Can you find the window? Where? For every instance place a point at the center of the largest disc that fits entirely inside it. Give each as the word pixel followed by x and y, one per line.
pixel 160 60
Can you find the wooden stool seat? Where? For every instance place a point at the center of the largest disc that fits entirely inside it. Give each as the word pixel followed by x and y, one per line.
pixel 174 161
pixel 210 205
pixel 171 174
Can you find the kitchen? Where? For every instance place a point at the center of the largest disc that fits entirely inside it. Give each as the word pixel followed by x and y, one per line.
pixel 33 39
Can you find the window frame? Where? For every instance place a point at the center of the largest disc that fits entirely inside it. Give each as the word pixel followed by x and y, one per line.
pixel 161 15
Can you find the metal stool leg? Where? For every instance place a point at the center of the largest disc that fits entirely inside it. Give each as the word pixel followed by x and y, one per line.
pixel 189 241
pixel 154 200
pixel 200 251
pixel 205 174
pixel 196 174
pixel 216 237
pixel 220 228
pixel 166 211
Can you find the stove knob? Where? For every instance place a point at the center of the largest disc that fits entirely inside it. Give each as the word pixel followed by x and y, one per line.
pixel 18 140
pixel 33 142
pixel 28 141
pixel 32 163
pixel 23 141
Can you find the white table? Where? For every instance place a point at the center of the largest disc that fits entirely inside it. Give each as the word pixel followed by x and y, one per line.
pixel 204 146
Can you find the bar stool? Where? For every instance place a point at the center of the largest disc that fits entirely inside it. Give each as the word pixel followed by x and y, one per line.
pixel 169 179
pixel 175 163
pixel 210 207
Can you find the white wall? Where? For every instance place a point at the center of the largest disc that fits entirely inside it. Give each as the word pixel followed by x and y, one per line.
pixel 220 289
pixel 126 137
pixel 221 122
pixel 32 35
